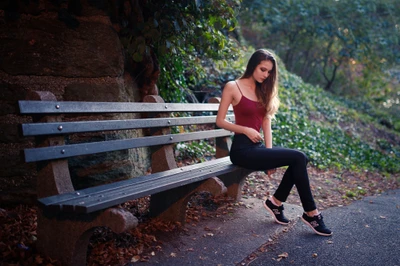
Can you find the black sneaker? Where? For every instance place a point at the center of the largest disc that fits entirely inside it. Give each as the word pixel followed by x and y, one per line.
pixel 276 212
pixel 317 224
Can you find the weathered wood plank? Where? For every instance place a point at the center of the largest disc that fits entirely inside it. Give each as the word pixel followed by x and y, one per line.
pixel 66 151
pixel 61 107
pixel 39 129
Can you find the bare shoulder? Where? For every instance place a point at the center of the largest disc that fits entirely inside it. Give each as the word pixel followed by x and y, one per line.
pixel 229 84
pixel 232 92
pixel 230 87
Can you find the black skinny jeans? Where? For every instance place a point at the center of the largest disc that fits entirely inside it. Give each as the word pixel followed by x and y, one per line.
pixel 256 156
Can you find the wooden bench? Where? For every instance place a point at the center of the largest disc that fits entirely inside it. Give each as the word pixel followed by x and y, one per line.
pixel 68 217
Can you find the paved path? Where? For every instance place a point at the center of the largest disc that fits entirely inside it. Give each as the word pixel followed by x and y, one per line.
pixel 366 232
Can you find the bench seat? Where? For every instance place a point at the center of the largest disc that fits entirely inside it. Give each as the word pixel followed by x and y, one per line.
pixel 105 196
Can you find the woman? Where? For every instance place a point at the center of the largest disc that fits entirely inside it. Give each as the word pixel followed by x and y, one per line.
pixel 254 98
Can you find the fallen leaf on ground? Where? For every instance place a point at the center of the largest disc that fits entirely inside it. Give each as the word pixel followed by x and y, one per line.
pixel 283 255
pixel 135 258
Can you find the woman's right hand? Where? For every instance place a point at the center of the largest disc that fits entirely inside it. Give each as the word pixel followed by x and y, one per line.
pixel 252 134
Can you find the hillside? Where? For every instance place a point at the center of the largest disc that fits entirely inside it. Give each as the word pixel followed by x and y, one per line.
pixel 333 134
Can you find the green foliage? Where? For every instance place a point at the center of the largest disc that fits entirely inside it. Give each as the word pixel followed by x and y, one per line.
pixel 310 120
pixel 175 86
pixel 323 125
pixel 356 192
pixel 182 34
pixel 218 72
pixel 195 150
pixel 336 44
pixel 199 83
pixel 388 116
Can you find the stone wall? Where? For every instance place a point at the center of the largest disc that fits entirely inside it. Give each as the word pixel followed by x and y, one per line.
pixel 82 62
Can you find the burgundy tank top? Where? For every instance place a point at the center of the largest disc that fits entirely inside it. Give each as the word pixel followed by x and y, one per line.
pixel 249 113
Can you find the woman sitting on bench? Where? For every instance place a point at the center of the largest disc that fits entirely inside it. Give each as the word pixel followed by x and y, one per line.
pixel 254 98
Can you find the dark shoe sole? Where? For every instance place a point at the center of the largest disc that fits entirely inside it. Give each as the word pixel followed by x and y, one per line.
pixel 273 215
pixel 318 233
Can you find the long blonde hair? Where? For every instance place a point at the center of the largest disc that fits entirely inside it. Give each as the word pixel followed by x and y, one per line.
pixel 267 91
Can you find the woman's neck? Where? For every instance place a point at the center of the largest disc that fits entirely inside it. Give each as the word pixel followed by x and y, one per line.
pixel 249 84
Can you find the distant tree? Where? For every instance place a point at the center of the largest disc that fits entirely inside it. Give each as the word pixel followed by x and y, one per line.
pixel 328 42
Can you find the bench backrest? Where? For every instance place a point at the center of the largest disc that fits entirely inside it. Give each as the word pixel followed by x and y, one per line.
pixel 53 120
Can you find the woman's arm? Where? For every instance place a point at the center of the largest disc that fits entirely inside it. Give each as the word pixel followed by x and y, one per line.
pixel 266 126
pixel 228 98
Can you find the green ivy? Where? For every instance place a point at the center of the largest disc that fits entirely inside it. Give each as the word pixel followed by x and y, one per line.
pixel 321 137
pixel 182 34
pixel 195 150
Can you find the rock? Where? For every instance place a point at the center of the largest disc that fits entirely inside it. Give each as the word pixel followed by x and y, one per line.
pixel 45 46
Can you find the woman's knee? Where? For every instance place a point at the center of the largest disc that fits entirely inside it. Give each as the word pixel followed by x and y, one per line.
pixel 301 156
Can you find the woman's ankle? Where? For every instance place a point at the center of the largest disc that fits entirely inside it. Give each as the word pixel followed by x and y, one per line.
pixel 275 201
pixel 313 213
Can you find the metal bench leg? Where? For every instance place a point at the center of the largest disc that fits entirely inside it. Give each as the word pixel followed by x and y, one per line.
pixel 67 239
pixel 171 205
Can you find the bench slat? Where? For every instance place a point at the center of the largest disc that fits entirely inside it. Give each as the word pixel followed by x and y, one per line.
pixel 83 193
pixel 71 107
pixel 65 151
pixel 93 199
pixel 155 187
pixel 38 129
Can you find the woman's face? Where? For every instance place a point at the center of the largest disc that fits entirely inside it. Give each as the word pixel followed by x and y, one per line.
pixel 262 71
